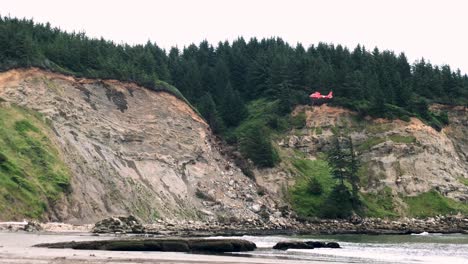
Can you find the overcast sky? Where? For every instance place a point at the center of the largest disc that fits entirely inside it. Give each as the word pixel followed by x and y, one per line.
pixel 435 30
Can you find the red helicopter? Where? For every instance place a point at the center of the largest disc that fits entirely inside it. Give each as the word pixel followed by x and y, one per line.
pixel 319 99
pixel 317 95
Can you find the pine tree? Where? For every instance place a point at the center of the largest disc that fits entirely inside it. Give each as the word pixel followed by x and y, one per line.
pixel 337 160
pixel 344 167
pixel 255 144
pixel 207 108
pixel 353 176
pixel 233 107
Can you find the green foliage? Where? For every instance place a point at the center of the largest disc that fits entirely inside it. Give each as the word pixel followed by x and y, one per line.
pixel 255 144
pixel 260 113
pixel 233 108
pixel 345 168
pixel 3 159
pixel 369 143
pixel 378 83
pixel 433 203
pixel 25 44
pixel 299 120
pixel 378 128
pixel 373 141
pixel 461 179
pixel 315 187
pixel 402 139
pixel 379 204
pixel 23 126
pixel 208 110
pixel 363 174
pixel 31 173
pixel 304 203
pixel 339 203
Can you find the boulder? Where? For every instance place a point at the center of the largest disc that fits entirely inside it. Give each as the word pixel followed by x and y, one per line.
pixel 122 224
pixel 292 244
pixel 284 245
pixel 332 245
pixel 316 244
pixel 256 208
pixel 32 226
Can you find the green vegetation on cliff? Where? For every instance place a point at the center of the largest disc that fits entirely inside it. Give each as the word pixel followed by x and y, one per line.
pixel 305 202
pixel 32 176
pixel 433 203
pixel 380 204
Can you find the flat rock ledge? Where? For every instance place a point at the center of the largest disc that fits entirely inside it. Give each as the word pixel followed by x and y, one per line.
pixel 285 245
pixel 167 245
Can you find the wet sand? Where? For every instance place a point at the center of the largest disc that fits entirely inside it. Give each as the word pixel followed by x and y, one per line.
pixel 16 247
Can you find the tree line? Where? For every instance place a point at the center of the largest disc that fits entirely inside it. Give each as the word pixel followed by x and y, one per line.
pixel 219 80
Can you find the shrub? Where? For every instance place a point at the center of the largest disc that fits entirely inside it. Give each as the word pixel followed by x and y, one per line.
pixel 204 196
pixel 315 188
pixel 3 158
pixel 299 120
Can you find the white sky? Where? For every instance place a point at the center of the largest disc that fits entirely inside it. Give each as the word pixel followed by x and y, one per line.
pixel 435 30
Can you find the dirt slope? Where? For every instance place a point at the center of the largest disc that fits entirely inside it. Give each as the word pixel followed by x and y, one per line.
pixel 132 151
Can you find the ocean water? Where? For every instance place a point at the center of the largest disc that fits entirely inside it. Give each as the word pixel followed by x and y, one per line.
pixel 416 248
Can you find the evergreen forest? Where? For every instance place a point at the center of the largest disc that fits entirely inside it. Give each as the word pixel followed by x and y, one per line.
pixel 221 80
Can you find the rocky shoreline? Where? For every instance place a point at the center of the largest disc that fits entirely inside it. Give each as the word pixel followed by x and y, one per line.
pixel 374 226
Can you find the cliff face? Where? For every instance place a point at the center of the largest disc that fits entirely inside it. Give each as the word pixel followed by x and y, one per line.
pixel 409 157
pixel 131 151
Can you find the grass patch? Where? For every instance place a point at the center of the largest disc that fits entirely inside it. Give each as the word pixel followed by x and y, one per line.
pixel 433 203
pixel 379 204
pixel 363 174
pixel 373 141
pixel 379 128
pixel 31 174
pixel 402 139
pixel 368 144
pixel 318 131
pixel 463 180
pixel 303 201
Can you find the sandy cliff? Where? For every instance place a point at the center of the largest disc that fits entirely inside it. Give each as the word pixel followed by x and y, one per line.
pixel 132 151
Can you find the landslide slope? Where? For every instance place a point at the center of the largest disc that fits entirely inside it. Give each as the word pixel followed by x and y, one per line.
pixel 407 168
pixel 121 149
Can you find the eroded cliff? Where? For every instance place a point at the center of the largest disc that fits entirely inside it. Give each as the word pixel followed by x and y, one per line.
pixel 131 150
pixel 399 159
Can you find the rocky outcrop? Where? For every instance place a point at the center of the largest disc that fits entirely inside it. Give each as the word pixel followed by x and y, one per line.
pixel 134 151
pixel 172 245
pixel 33 226
pixel 285 245
pixel 121 224
pixel 409 157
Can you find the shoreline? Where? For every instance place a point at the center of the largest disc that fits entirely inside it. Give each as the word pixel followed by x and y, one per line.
pixel 19 248
pixel 369 226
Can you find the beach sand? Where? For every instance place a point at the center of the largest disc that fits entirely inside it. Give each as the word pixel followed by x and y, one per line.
pixel 16 247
